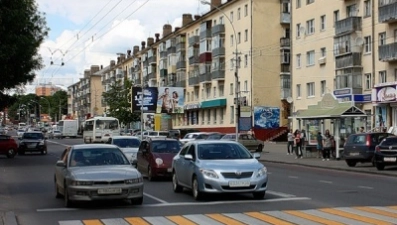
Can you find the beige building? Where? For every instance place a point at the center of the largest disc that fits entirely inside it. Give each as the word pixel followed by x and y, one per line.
pixel 46 89
pixel 346 48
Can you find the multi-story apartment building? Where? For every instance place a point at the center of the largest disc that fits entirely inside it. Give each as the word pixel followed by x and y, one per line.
pixel 84 97
pixel 348 49
pixel 46 89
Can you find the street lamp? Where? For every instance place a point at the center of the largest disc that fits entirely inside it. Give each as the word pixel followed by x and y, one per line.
pixel 237 102
pixel 49 107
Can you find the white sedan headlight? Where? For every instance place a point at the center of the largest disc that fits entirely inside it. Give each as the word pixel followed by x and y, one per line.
pixel 159 161
pixel 262 172
pixel 209 173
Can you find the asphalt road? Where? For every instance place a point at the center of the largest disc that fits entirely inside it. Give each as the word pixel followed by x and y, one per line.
pixel 26 188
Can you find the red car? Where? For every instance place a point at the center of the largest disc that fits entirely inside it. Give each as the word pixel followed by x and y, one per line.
pixel 8 146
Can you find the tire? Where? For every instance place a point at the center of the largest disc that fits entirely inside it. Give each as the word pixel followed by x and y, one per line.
pixel 197 194
pixel 259 195
pixel 351 163
pixel 67 202
pixel 260 148
pixel 379 166
pixel 137 201
pixel 11 153
pixel 57 194
pixel 150 176
pixel 177 188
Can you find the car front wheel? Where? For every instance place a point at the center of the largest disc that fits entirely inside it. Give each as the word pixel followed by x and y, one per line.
pixel 68 203
pixel 11 153
pixel 197 194
pixel 380 166
pixel 351 163
pixel 177 188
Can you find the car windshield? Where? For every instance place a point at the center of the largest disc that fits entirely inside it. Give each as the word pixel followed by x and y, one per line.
pixel 32 136
pixel 166 146
pixel 389 142
pixel 127 142
pixel 222 151
pixel 97 157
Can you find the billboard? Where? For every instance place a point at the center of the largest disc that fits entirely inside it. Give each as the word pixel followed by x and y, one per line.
pixel 266 117
pixel 148 121
pixel 150 95
pixel 170 100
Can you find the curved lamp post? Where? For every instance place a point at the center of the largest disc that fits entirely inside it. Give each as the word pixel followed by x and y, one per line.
pixel 237 102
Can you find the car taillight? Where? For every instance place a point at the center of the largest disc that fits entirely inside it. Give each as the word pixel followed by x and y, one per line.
pixel 368 142
pixel 377 149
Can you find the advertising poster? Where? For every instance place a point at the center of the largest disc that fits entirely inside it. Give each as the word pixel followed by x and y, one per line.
pixel 170 100
pixel 150 95
pixel 148 121
pixel 381 117
pixel 244 124
pixel 266 117
pixel 313 127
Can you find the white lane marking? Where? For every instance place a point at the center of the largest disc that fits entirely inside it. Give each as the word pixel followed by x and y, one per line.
pixel 280 194
pixel 155 198
pixel 192 203
pixel 366 187
pixel 71 222
pixel 57 143
pixel 325 181
pixel 293 177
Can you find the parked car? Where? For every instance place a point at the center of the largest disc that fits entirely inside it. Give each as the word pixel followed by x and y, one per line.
pixel 215 136
pixel 32 141
pixel 8 146
pixel 20 132
pixel 155 156
pixel 218 167
pixel 96 172
pixel 361 147
pixel 250 142
pixel 192 136
pixel 54 134
pixel 386 153
pixel 158 134
pixel 128 144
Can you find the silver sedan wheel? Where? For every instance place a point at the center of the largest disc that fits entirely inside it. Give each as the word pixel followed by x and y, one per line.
pixel 176 186
pixel 195 189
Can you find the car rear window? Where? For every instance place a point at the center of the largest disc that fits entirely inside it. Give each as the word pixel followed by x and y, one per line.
pixel 389 141
pixel 357 139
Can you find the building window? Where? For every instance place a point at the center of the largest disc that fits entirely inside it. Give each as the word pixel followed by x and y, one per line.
pixel 368 81
pixel 231 64
pixel 323 52
pixel 215 116
pixel 382 76
pixel 246 10
pixel 309 2
pixel 298 3
pixel 246 85
pixel 202 93
pixel 245 60
pixel 298 31
pixel 238 14
pixel 336 16
pixel 231 16
pixel 214 92
pixel 310 26
pixel 209 116
pixel 231 114
pixel 322 22
pixel 298 60
pixel 202 117
pixel 188 96
pixel 246 35
pixel 310 58
pixel 208 91
pixel 367 44
pixel 221 88
pixel 298 91
pixel 310 89
pixel 382 38
pixel 221 20
pixel 367 8
pixel 221 115
pixel 323 87
pixel 351 10
pixel 238 38
pixel 395 35
pixel 231 89
pixel 231 40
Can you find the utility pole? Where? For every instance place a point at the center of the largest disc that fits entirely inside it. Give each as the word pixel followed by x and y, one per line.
pixel 59 113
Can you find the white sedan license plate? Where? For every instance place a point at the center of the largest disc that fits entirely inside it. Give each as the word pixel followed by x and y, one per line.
pixel 239 183
pixel 389 159
pixel 354 153
pixel 105 191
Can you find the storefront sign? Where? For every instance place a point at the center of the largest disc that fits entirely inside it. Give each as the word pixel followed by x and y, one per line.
pixel 384 94
pixel 192 106
pixel 344 91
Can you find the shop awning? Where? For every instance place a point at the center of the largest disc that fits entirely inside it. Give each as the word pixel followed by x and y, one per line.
pixel 338 111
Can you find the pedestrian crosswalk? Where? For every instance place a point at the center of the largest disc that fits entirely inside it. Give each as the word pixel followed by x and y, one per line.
pixel 329 216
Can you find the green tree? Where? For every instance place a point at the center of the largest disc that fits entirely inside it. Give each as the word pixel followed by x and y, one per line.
pixel 117 98
pixel 22 30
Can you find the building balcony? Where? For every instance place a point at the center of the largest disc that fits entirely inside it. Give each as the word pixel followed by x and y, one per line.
pixel 285 69
pixel 151 76
pixel 163 54
pixel 348 25
pixel 218 74
pixel 180 83
pixel 152 60
pixel 218 52
pixel 194 40
pixel 387 11
pixel 171 69
pixel 194 60
pixel 285 85
pixel 180 46
pixel 137 68
pixel 285 18
pixel 138 81
pixel 217 29
pixel 285 43
pixel 171 50
pixel 194 81
pixel 205 34
pixel 205 57
pixel 285 93
pixel 181 64
pixel 348 60
pixel 388 53
pixel 163 73
pixel 205 78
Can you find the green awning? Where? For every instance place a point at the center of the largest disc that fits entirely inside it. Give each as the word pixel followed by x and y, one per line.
pixel 339 110
pixel 214 103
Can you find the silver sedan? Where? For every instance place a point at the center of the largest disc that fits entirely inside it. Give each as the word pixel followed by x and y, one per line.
pixel 218 167
pixel 96 172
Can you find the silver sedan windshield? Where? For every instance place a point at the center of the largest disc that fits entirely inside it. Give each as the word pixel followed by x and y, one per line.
pixel 97 157
pixel 221 151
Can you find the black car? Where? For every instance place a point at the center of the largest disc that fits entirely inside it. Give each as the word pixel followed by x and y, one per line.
pixel 386 153
pixel 361 147
pixel 32 141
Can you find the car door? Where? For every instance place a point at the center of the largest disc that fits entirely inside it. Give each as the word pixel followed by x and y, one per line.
pixel 179 164
pixel 3 144
pixel 190 165
pixel 61 172
pixel 140 156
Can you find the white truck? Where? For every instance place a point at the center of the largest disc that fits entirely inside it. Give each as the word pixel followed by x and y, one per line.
pixel 68 128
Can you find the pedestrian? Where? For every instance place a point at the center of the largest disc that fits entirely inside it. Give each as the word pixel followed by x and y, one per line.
pixel 298 144
pixel 251 132
pixel 319 145
pixel 290 145
pixel 303 139
pixel 327 145
pixel 362 130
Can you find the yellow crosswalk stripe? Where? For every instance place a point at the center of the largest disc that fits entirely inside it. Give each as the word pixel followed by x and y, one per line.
pixel 377 211
pixel 136 221
pixel 224 219
pixel 355 216
pixel 312 218
pixel 92 222
pixel 393 207
pixel 267 218
pixel 180 220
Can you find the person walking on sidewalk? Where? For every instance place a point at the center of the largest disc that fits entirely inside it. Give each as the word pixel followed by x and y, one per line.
pixel 327 144
pixel 320 147
pixel 298 144
pixel 290 145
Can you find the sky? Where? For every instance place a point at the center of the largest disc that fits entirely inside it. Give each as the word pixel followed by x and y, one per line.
pixel 92 32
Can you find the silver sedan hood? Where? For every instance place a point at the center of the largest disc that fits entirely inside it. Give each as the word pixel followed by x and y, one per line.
pixel 111 172
pixel 230 164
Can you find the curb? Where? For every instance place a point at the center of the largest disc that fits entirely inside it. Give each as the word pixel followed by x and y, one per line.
pixel 10 218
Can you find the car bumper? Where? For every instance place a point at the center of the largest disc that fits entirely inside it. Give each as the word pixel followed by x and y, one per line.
pixel 386 159
pixel 210 185
pixel 364 156
pixel 89 193
pixel 28 149
pixel 162 172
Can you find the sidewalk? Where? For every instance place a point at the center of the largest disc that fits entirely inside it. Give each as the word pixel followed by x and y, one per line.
pixel 277 153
